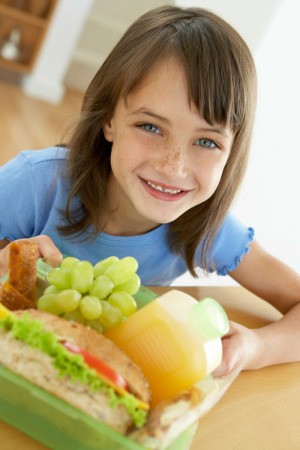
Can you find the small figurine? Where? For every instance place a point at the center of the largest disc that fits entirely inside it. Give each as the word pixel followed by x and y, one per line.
pixel 11 47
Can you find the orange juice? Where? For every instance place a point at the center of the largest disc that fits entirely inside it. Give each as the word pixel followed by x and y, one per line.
pixel 175 340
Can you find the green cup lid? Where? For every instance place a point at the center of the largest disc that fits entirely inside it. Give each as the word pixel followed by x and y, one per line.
pixel 209 318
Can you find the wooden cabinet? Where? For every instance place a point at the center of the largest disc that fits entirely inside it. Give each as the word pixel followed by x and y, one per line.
pixel 23 24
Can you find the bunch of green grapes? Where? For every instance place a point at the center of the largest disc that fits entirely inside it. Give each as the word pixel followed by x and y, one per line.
pixel 100 296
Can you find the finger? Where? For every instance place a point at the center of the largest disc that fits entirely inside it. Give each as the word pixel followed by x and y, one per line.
pixel 231 357
pixel 227 365
pixel 48 251
pixel 3 257
pixel 222 370
pixel 3 263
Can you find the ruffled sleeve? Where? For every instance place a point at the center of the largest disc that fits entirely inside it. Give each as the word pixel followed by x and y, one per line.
pixel 232 242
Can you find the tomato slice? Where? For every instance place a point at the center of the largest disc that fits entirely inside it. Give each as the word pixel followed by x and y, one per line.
pixel 113 378
pixel 109 375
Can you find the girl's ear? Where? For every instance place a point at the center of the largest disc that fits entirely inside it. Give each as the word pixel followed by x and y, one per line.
pixel 108 131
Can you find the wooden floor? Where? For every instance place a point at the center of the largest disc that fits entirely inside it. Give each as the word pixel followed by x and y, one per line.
pixel 28 123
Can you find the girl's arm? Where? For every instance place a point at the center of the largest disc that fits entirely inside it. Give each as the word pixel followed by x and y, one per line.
pixel 275 282
pixel 47 250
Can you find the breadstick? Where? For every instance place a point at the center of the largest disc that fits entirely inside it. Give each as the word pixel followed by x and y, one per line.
pixel 23 257
pixel 12 299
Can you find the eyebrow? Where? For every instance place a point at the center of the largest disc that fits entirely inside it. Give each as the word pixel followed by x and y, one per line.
pixel 151 114
pixel 219 130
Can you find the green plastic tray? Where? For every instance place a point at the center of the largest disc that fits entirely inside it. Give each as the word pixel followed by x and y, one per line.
pixel 57 424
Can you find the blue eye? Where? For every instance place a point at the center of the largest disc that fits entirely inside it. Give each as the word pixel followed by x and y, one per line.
pixel 150 128
pixel 206 143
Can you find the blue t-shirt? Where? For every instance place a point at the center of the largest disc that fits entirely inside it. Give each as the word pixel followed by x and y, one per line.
pixel 33 190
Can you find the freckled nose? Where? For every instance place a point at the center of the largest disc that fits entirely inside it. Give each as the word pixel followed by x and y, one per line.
pixel 173 163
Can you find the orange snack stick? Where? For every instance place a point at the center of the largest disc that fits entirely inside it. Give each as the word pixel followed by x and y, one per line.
pixel 12 299
pixel 22 261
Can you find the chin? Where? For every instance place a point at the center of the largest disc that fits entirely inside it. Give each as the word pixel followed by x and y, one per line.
pixel 159 214
pixel 160 219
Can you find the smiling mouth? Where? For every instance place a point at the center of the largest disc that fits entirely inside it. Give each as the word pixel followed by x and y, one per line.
pixel 159 188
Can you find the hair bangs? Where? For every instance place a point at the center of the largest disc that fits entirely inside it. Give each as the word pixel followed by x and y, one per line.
pixel 152 50
pixel 216 74
pixel 215 79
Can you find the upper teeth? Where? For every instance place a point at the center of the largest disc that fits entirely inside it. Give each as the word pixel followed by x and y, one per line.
pixel 161 189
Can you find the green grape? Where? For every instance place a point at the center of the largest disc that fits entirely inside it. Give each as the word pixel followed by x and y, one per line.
pixel 48 303
pixel 95 324
pixel 68 300
pixel 102 287
pixel 82 276
pixel 74 316
pixel 60 278
pixel 122 270
pixel 102 265
pixel 77 291
pixel 130 286
pixel 124 302
pixel 90 307
pixel 51 290
pixel 110 315
pixel 69 262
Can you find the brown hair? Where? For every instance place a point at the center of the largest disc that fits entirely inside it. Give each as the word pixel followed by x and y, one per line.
pixel 222 84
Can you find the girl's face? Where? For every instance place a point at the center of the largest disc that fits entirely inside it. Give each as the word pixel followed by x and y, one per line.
pixel 165 157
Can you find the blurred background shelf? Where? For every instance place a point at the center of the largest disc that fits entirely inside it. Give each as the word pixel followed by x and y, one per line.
pixel 23 24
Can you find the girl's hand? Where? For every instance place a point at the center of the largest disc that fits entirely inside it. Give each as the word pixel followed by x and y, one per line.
pixel 242 347
pixel 47 250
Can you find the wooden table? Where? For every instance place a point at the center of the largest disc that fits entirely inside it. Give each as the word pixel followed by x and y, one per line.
pixel 261 409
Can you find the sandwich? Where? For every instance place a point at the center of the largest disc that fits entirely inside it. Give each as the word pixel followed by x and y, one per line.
pixel 76 364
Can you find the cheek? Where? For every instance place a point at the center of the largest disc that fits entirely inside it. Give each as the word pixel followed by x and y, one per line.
pixel 131 149
pixel 218 171
pixel 210 173
pixel 217 174
pixel 119 148
pixel 123 154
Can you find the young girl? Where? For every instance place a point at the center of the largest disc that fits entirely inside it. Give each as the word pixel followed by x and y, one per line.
pixel 151 170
